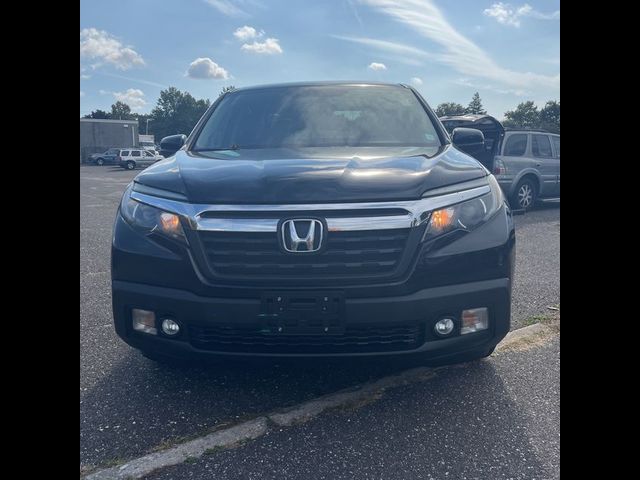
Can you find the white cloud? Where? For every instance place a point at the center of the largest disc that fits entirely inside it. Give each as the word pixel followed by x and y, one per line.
pixel 458 51
pixel 206 68
pixel 355 13
pixel 81 93
pixel 270 46
pixel 518 92
pixel 132 79
pixel 416 81
pixel 103 47
pixel 508 14
pixel 375 66
pixel 104 92
pixel 227 7
pixel 247 33
pixel 391 47
pixel 132 97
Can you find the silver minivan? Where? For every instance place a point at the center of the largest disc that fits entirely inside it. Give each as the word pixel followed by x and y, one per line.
pixel 526 163
pixel 528 166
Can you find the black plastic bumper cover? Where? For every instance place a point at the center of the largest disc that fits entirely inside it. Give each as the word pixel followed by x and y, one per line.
pixel 424 307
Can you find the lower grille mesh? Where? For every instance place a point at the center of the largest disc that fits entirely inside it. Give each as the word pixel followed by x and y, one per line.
pixel 353 340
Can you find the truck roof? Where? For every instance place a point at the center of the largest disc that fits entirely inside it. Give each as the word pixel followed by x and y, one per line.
pixel 321 84
pixel 468 117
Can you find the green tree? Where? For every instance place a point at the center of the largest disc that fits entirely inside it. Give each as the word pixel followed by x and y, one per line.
pixel 475 105
pixel 525 115
pixel 176 112
pixel 227 89
pixel 550 116
pixel 121 111
pixel 449 108
pixel 98 114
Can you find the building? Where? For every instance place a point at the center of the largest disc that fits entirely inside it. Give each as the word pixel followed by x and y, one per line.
pixel 98 135
pixel 147 140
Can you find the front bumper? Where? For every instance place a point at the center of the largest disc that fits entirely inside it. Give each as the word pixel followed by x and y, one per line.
pixel 420 310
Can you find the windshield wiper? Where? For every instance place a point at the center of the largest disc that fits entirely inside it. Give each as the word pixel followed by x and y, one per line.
pixel 235 146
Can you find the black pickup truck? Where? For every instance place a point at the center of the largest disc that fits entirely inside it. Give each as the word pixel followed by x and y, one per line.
pixel 315 219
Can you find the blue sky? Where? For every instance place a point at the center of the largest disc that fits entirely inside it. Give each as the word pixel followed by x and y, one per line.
pixel 132 49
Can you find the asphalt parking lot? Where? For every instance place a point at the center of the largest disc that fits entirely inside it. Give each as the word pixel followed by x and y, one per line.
pixel 129 405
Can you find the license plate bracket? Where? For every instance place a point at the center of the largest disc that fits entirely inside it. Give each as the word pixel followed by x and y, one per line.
pixel 302 313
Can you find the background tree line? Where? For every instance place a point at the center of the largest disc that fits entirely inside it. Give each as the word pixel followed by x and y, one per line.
pixel 175 112
pixel 525 115
pixel 178 112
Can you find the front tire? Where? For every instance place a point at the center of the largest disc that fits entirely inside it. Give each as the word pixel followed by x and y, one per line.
pixel 100 162
pixel 525 195
pixel 131 165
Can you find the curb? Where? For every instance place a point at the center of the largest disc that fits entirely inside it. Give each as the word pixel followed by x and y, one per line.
pixel 141 466
pixel 515 336
pixel 301 413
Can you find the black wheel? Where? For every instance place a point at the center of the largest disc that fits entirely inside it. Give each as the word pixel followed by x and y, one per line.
pixel 131 165
pixel 525 195
pixel 100 162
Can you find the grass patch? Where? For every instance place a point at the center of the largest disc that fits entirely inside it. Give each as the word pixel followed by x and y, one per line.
pixel 550 318
pixel 221 448
pixel 535 319
pixel 211 451
pixel 550 328
pixel 354 405
pixel 172 442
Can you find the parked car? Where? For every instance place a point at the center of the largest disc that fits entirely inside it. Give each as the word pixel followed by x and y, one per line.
pixel 105 158
pixel 526 163
pixel 528 166
pixel 151 148
pixel 315 219
pixel 137 157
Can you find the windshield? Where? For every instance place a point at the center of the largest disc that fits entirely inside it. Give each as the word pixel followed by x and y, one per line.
pixel 318 116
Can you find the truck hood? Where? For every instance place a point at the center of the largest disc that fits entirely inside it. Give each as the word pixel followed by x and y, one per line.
pixel 266 176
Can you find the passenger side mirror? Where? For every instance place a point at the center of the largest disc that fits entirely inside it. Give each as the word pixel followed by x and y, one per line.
pixel 469 140
pixel 171 144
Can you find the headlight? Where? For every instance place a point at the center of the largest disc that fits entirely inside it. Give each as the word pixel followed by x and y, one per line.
pixel 150 219
pixel 467 215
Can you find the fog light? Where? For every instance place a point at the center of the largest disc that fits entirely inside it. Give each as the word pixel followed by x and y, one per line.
pixel 474 320
pixel 170 327
pixel 444 327
pixel 144 321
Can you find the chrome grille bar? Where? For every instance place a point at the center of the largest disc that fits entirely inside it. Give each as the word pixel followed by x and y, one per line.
pixel 417 212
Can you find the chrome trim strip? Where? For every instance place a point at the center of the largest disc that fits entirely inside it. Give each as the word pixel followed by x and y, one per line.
pixel 417 212
pixel 238 224
pixel 368 223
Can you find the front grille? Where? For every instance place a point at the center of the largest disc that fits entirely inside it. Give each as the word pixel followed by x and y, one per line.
pixel 347 254
pixel 353 340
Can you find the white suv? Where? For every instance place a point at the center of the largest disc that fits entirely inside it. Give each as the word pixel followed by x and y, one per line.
pixel 137 157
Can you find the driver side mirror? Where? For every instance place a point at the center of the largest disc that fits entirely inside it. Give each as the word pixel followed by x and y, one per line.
pixel 469 140
pixel 171 144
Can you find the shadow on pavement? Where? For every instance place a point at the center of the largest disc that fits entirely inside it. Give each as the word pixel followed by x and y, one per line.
pixel 148 404
pixel 461 424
